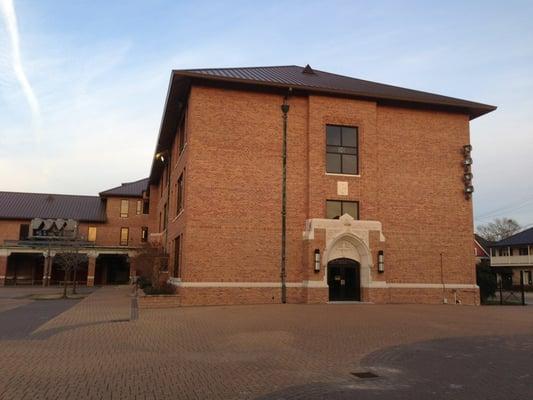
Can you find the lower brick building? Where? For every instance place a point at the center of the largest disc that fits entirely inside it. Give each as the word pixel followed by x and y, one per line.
pixel 107 231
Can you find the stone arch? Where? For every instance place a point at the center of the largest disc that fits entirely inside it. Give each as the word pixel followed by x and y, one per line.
pixel 348 245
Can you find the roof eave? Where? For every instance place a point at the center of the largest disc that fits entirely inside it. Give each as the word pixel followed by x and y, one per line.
pixel 473 109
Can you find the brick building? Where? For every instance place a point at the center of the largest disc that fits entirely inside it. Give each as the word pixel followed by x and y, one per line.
pixel 375 192
pixel 378 189
pixel 110 229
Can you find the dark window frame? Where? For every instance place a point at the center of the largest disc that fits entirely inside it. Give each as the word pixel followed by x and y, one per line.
pixel 24 231
pixel 144 234
pixel 177 255
pixel 521 251
pixel 180 186
pixel 357 217
pixel 146 207
pixel 341 150
pixel 181 134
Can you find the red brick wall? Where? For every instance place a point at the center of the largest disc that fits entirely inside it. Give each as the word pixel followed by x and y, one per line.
pixel 10 229
pixel 410 180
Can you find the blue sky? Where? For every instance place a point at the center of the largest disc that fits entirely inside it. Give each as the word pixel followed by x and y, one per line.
pixel 81 111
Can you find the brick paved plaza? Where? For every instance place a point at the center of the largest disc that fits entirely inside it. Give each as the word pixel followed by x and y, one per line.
pixel 93 350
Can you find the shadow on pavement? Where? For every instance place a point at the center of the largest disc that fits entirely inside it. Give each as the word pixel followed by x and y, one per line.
pixel 492 367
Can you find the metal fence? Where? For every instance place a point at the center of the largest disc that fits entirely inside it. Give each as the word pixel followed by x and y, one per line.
pixel 507 293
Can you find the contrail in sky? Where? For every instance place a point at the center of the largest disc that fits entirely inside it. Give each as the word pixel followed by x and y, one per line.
pixel 7 9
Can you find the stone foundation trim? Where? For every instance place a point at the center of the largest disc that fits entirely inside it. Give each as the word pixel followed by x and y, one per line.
pixel 236 284
pixel 321 284
pixel 432 286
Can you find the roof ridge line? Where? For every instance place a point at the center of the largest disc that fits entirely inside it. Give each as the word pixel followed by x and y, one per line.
pixel 226 68
pixel 51 194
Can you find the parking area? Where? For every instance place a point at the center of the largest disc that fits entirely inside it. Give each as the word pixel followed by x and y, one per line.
pixel 95 350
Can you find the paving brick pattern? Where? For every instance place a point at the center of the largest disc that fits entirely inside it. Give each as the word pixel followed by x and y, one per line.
pixel 93 350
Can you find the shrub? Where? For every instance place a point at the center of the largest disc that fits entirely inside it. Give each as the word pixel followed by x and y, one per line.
pixel 486 280
pixel 143 282
pixel 166 288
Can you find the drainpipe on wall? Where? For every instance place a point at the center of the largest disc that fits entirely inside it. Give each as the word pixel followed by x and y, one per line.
pixel 285 111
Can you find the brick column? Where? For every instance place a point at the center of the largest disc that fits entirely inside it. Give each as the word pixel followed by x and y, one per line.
pixel 47 270
pixel 3 270
pixel 91 269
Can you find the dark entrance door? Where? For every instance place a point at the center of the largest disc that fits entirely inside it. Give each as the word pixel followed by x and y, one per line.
pixel 343 280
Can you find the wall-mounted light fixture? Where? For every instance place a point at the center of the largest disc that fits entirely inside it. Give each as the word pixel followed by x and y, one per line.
pixel 468 176
pixel 317 260
pixel 381 261
pixel 161 156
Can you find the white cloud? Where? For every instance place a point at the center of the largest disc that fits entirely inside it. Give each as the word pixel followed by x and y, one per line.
pixel 7 9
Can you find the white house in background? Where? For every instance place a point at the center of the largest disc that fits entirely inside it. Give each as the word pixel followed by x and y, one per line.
pixel 513 257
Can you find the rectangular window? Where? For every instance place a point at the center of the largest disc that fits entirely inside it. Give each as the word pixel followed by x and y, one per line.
pixel 165 216
pixel 177 251
pixel 146 207
pixel 24 231
pixel 179 194
pixel 341 150
pixel 493 251
pixel 182 135
pixel 139 209
pixel 503 251
pixel 91 234
pixel 523 251
pixel 336 208
pixel 124 208
pixel 124 236
pixel 144 234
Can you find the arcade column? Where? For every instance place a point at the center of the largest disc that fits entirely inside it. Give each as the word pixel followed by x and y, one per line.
pixel 91 269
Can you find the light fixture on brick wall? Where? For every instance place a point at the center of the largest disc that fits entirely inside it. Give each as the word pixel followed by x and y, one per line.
pixel 468 176
pixel 381 261
pixel 161 156
pixel 317 260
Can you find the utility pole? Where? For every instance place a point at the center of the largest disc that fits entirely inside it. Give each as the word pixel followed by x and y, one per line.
pixel 285 111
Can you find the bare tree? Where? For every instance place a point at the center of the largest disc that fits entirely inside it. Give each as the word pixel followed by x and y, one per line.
pixel 150 260
pixel 69 261
pixel 499 229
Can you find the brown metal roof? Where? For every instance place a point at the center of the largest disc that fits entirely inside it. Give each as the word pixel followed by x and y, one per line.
pixel 15 205
pixel 128 189
pixel 302 80
pixel 306 78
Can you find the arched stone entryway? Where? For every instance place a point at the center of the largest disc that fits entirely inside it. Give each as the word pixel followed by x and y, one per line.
pixel 344 280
